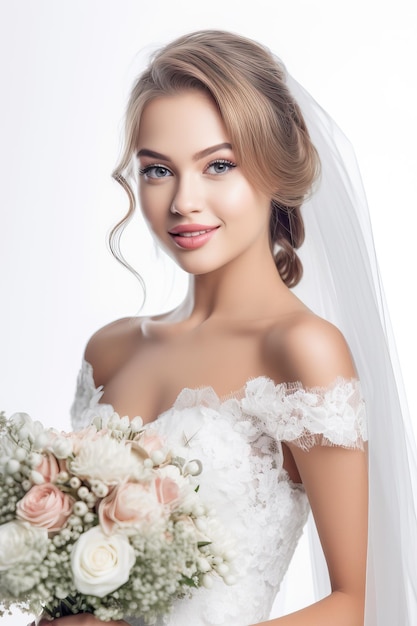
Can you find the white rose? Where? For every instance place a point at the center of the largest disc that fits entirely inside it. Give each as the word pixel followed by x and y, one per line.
pixel 62 447
pixel 20 542
pixel 100 563
pixel 105 459
pixel 24 428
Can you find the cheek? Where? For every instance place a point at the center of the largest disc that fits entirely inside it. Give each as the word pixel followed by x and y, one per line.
pixel 241 200
pixel 154 202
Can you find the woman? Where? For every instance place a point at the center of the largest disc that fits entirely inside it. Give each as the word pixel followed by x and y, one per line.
pixel 244 374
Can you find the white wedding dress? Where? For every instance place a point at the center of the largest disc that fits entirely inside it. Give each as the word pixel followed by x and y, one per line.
pixel 239 441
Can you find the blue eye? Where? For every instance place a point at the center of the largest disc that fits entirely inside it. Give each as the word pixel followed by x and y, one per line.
pixel 155 171
pixel 220 166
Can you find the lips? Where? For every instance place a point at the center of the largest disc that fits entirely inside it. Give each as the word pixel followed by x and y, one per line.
pixel 192 236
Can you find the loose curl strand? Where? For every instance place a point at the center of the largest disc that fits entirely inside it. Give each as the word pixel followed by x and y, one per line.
pixel 116 232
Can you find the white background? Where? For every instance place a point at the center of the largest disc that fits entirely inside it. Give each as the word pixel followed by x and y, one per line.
pixel 66 67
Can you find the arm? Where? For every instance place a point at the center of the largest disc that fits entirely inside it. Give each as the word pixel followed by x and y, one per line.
pixel 336 484
pixel 335 480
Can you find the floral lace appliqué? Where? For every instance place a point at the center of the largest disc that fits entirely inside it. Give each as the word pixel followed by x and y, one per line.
pixel 332 416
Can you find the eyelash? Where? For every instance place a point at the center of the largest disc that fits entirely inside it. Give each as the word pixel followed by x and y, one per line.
pixel 222 162
pixel 143 171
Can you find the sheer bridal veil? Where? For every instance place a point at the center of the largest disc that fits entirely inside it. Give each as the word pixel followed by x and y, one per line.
pixel 341 283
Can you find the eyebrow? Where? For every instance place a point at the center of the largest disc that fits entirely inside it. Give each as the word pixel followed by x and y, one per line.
pixel 196 157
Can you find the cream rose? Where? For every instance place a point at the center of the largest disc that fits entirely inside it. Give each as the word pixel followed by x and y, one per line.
pixel 45 506
pixel 20 542
pixel 100 563
pixel 130 505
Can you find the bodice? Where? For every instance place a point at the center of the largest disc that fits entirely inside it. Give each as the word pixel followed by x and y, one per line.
pixel 239 441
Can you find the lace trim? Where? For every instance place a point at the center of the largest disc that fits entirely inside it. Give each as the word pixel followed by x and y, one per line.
pixel 86 402
pixel 329 416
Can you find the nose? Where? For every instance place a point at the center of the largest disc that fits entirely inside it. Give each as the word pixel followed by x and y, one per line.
pixel 188 196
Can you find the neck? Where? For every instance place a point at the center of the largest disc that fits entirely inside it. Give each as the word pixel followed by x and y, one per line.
pixel 247 288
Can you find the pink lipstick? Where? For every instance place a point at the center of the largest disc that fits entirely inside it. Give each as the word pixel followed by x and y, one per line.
pixel 192 236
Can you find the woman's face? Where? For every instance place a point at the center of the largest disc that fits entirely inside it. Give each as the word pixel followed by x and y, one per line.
pixel 193 193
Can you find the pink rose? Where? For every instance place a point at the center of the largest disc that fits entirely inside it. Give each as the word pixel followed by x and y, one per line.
pixel 45 506
pixel 167 490
pixel 150 441
pixel 80 436
pixel 130 505
pixel 50 467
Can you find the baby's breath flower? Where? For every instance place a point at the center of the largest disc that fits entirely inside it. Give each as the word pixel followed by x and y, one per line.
pixel 75 482
pixel 89 517
pixel 12 466
pixel 34 459
pixel 208 581
pixel 83 492
pixel 91 500
pixel 62 477
pixel 36 477
pixel 223 569
pixel 99 489
pixel 158 457
pixel 203 565
pixel 20 454
pixel 80 508
pixel 62 447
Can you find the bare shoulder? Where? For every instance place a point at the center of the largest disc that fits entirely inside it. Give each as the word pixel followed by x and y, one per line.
pixel 309 349
pixel 113 345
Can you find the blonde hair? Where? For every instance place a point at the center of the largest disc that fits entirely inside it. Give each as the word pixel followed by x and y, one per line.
pixel 265 125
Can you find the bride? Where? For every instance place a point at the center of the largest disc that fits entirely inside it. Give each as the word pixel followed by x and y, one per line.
pixel 257 379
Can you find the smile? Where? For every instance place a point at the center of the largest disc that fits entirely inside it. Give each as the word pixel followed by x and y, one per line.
pixel 189 237
pixel 193 233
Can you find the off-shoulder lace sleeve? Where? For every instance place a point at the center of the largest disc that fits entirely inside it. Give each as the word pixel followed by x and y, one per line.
pixel 331 416
pixel 86 401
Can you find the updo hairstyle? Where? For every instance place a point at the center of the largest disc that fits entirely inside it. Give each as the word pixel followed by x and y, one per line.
pixel 265 125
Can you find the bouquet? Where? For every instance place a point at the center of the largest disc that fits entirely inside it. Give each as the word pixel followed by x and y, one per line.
pixel 105 520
